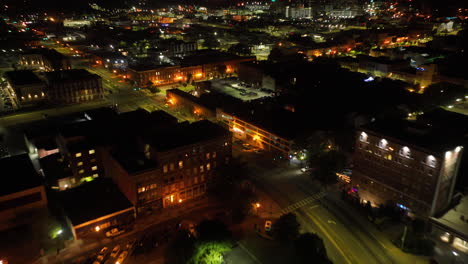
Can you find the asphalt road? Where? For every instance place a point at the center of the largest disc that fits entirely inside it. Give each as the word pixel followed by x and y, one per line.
pixel 346 241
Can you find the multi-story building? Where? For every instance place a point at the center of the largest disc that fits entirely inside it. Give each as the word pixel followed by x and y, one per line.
pixel 44 60
pixel 298 12
pixel 170 166
pixel 409 164
pixel 73 86
pixel 198 66
pixel 25 87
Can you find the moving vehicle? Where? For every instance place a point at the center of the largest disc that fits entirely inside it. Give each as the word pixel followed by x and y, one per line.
pixel 267 226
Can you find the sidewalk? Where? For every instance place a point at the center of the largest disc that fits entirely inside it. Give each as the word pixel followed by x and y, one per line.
pixel 80 247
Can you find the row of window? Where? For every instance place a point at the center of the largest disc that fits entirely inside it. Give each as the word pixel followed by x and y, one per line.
pixel 90 152
pixel 94 168
pixel 147 188
pixel 180 164
pixel 403 152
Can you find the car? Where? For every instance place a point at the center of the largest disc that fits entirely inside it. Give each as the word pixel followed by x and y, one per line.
pixel 114 232
pixel 122 257
pixel 100 258
pixel 258 151
pixel 115 251
pixel 268 226
pixel 103 251
pixel 96 262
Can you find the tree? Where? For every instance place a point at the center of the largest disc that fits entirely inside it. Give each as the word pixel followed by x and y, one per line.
pixel 181 250
pixel 286 228
pixel 328 164
pixel 309 247
pixel 213 239
pixel 221 69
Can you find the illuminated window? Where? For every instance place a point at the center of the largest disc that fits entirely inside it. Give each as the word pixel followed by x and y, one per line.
pixel 195 180
pixel 214 154
pixel 95 175
pixel 91 151
pixel 78 154
pixel 208 155
pixel 195 170
pixel 208 166
pixel 201 168
pixel 202 178
pixel 171 166
pixel 81 172
pixel 165 168
pixel 79 163
pixel 94 168
pixel 181 164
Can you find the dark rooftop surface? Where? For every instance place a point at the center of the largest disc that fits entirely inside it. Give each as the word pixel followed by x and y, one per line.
pixel 18 174
pixel 427 133
pixel 133 162
pixel 48 53
pixel 23 77
pixel 92 200
pixel 209 56
pixel 74 74
pixel 186 134
pixel 149 67
pixel 55 167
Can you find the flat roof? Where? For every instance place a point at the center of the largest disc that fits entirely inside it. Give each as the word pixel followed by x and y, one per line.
pixel 452 218
pixel 93 200
pixel 430 136
pixel 48 53
pixel 133 162
pixel 201 57
pixel 184 134
pixel 18 174
pixel 73 74
pixel 55 167
pixel 22 77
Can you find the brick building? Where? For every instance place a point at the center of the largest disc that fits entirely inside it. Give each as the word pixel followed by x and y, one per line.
pixel 169 166
pixel 413 165
pixel 73 86
pixel 25 87
pixel 44 60
pixel 200 65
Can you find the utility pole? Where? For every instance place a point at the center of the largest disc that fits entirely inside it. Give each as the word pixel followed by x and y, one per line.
pixel 404 237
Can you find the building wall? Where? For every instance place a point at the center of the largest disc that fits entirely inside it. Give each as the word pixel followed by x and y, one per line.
pixel 76 91
pixel 42 63
pixel 191 106
pixel 400 172
pixel 183 174
pixel 256 136
pixel 18 208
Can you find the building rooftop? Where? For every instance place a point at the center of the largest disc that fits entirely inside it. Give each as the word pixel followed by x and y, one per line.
pixel 427 135
pixel 456 219
pixel 185 134
pixel 149 67
pixel 18 174
pixel 201 57
pixel 133 162
pixel 92 200
pixel 48 53
pixel 70 75
pixel 23 77
pixel 55 167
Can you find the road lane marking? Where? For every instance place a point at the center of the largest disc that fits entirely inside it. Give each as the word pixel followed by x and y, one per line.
pixel 325 232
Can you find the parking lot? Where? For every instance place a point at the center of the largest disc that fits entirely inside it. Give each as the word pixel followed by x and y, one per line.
pixel 6 104
pixel 238 89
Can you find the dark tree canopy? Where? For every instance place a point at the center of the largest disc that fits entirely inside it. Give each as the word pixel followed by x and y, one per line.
pixel 309 248
pixel 286 228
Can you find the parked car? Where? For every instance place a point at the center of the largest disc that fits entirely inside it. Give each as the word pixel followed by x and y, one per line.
pixel 115 251
pixel 122 257
pixel 103 251
pixel 114 232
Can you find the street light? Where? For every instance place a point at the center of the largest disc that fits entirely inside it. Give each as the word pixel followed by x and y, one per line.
pixel 455 255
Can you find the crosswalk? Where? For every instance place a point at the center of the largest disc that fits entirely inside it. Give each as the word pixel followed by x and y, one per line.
pixel 293 207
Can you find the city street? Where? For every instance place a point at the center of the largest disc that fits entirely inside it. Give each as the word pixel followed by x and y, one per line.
pixel 347 240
